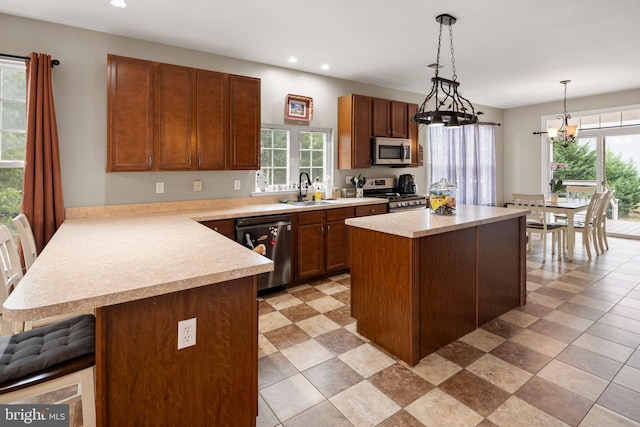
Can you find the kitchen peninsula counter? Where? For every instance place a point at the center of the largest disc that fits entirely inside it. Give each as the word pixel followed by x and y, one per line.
pixel 420 281
pixel 141 269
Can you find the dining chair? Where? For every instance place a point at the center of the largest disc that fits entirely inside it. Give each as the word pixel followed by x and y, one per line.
pixel 27 241
pixel 601 221
pixel 10 276
pixel 50 358
pixel 589 224
pixel 538 221
pixel 579 192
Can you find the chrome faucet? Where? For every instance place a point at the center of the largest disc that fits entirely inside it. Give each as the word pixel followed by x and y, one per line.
pixel 308 183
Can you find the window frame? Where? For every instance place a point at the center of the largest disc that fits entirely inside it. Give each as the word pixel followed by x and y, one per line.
pixel 293 176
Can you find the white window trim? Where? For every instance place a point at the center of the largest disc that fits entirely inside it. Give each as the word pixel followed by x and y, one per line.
pixel 294 147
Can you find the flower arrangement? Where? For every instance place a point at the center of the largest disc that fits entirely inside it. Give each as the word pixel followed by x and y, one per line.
pixel 556 184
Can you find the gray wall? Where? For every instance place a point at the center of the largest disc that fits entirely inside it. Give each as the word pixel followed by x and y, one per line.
pixel 80 96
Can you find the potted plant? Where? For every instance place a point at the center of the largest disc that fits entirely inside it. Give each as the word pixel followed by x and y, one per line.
pixel 555 184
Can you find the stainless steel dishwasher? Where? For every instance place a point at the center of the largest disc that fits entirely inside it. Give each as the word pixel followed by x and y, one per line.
pixel 269 236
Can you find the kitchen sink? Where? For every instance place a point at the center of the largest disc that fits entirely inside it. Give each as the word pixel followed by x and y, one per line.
pixel 309 202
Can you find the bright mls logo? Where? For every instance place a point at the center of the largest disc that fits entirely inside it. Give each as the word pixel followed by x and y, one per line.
pixel 34 415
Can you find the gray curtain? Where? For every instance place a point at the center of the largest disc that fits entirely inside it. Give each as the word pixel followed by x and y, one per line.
pixel 466 157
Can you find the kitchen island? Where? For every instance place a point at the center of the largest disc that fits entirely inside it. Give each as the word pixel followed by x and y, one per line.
pixel 420 281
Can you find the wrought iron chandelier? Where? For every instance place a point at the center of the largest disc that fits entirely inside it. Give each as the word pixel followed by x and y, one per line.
pixel 444 106
pixel 566 134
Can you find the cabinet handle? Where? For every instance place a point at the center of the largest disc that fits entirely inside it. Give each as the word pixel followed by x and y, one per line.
pixel 199 160
pixel 393 131
pixel 322 229
pixel 389 131
pixel 215 228
pixel 189 160
pixel 150 161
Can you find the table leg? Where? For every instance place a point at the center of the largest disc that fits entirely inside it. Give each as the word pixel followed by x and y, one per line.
pixel 571 235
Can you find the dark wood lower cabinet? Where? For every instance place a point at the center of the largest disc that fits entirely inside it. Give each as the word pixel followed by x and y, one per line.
pixel 414 296
pixel 142 379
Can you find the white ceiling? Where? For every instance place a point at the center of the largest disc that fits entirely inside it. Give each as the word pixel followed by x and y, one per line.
pixel 508 53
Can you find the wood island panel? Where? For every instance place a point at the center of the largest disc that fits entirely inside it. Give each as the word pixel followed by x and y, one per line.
pixel 447 288
pixel 143 379
pixel 383 285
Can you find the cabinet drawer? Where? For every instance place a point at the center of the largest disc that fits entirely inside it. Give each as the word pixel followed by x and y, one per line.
pixel 371 210
pixel 339 214
pixel 307 218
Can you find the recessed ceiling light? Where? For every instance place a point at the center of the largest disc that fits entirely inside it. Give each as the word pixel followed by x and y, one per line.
pixel 118 3
pixel 325 66
pixel 293 59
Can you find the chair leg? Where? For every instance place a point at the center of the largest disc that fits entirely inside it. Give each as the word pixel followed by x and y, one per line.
pixel 544 246
pixel 585 241
pixel 87 385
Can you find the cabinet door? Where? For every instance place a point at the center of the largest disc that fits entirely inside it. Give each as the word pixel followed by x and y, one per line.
pixel 244 123
pixel 381 119
pixel 361 132
pixel 174 118
pixel 399 119
pixel 310 255
pixel 337 238
pixel 337 246
pixel 129 114
pixel 212 123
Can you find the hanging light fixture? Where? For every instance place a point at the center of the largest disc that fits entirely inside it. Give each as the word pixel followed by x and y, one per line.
pixel 444 106
pixel 566 135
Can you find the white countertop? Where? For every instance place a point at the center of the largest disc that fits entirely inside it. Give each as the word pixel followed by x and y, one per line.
pixel 109 255
pixel 420 222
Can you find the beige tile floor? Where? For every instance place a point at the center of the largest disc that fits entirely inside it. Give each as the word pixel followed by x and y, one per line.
pixel 569 357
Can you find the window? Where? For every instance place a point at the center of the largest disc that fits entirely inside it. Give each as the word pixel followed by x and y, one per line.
pixel 287 151
pixel 466 157
pixel 13 119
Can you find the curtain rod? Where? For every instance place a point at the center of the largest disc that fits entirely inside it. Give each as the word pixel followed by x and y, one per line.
pixel 54 62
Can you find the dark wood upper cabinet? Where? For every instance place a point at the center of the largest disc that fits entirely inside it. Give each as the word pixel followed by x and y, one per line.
pixel 164 117
pixel 244 108
pixel 361 118
pixel 174 100
pixel 212 119
pixel 354 131
pixel 390 118
pixel 130 102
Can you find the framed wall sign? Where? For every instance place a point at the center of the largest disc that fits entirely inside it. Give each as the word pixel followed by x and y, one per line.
pixel 298 107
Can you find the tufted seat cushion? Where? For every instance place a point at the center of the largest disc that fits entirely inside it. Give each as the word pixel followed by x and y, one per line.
pixel 32 351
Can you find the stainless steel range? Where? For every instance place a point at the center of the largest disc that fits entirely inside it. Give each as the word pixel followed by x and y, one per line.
pixel 386 188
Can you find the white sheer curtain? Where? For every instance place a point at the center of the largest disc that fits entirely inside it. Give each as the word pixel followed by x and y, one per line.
pixel 466 157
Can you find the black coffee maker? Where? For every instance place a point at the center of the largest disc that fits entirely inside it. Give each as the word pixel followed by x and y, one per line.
pixel 406 184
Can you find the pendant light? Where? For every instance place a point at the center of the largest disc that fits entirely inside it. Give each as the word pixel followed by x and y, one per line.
pixel 444 106
pixel 566 134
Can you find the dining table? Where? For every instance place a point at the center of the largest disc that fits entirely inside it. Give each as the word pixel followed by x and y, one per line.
pixel 569 208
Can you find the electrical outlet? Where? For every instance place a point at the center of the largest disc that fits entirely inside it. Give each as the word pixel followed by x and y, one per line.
pixel 186 333
pixel 159 187
pixel 236 184
pixel 197 185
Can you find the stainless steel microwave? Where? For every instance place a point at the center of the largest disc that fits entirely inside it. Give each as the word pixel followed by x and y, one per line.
pixel 391 151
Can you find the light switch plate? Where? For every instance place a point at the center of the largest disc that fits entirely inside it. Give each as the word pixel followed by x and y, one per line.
pixel 197 185
pixel 236 184
pixel 159 187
